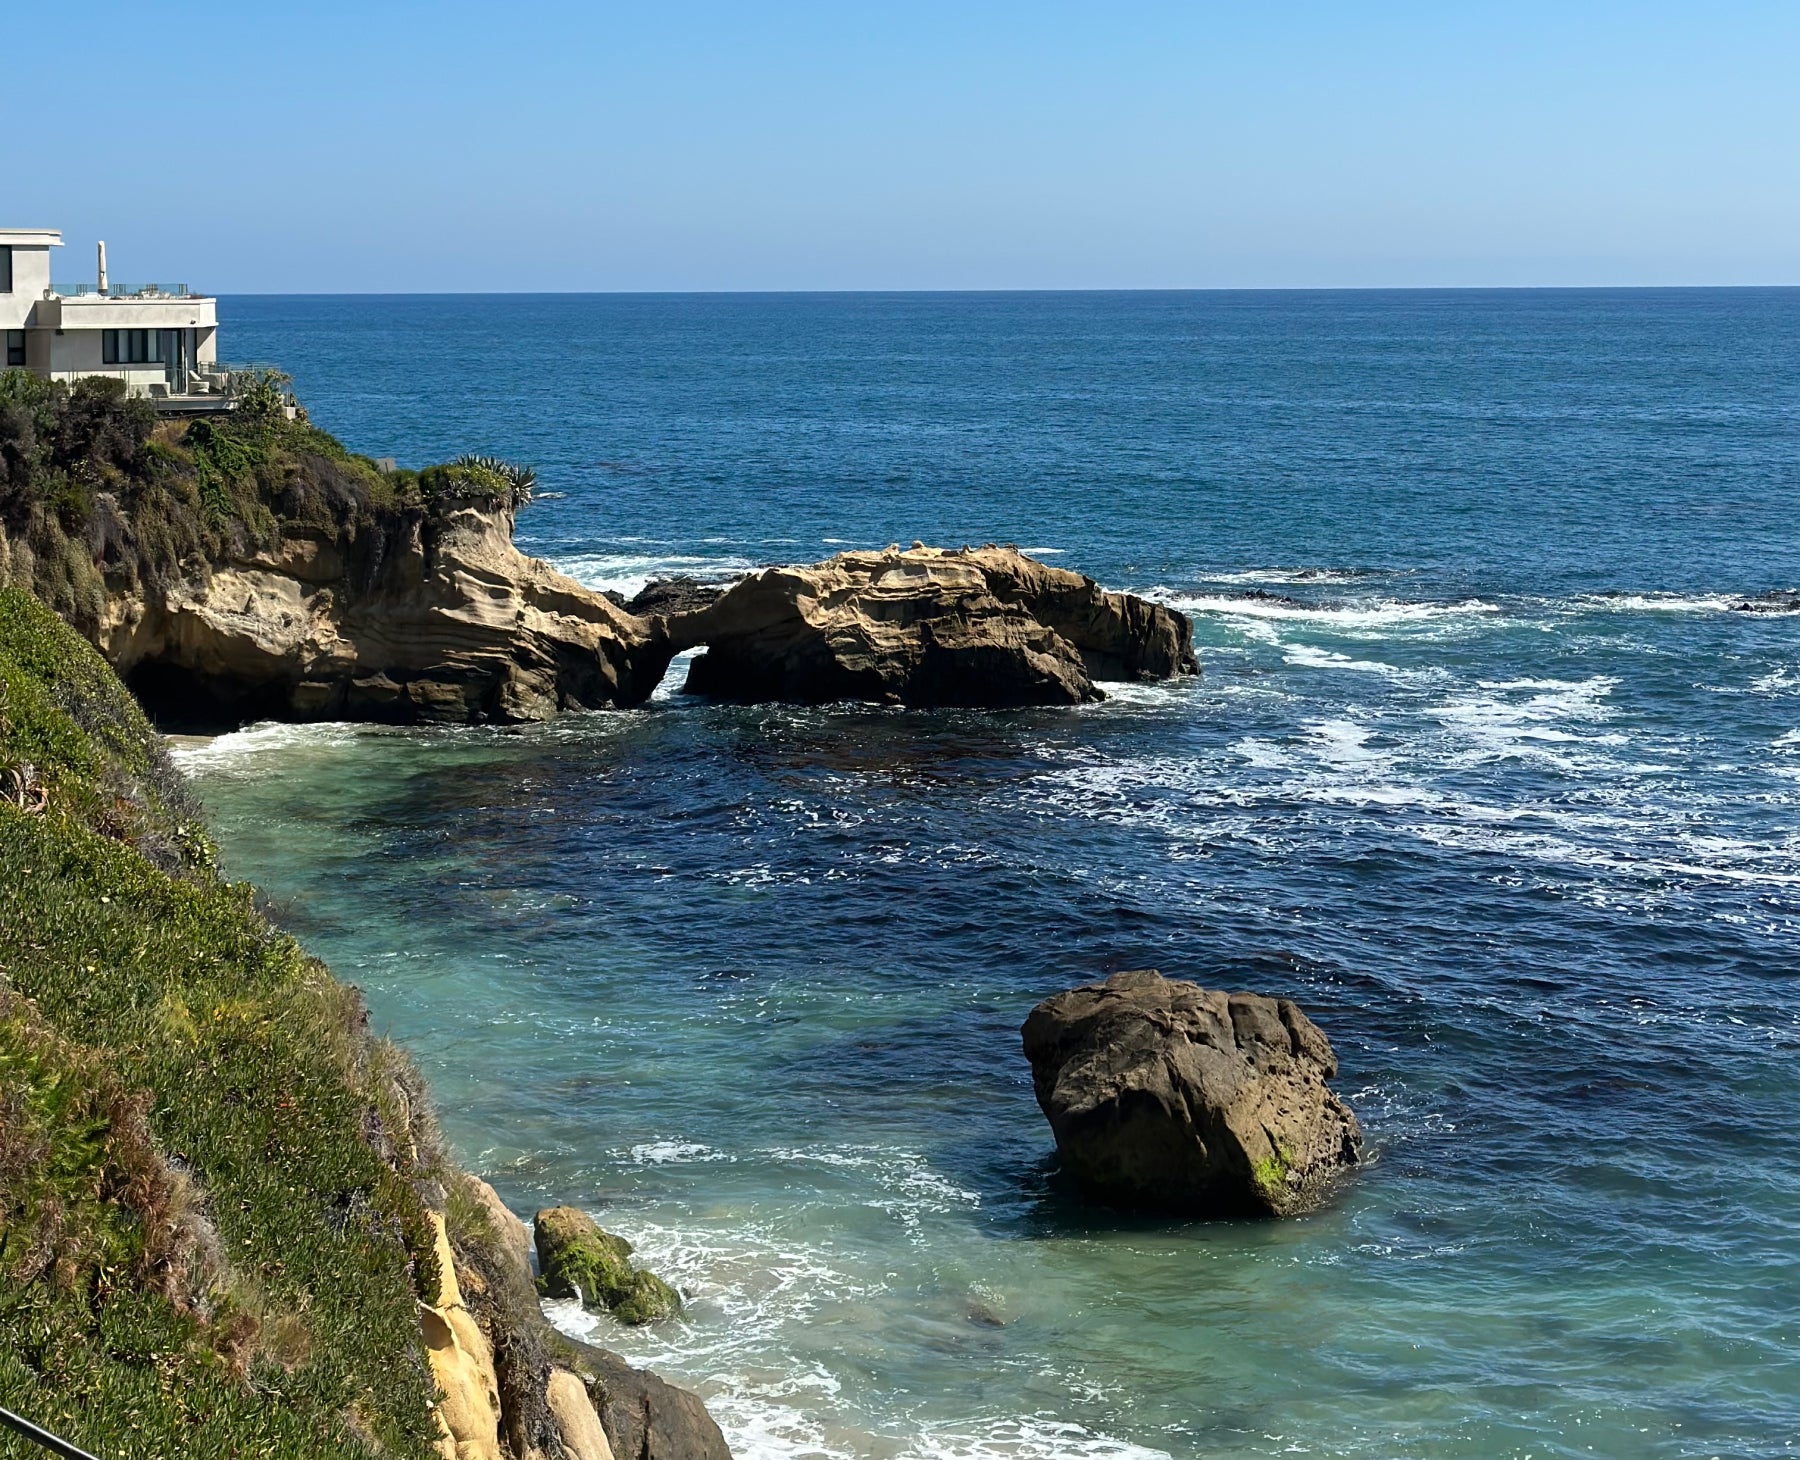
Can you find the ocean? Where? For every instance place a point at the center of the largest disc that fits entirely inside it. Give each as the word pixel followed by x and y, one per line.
pixel 1487 769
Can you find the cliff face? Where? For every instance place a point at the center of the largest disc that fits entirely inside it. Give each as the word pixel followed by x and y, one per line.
pixel 227 1226
pixel 252 567
pixel 416 617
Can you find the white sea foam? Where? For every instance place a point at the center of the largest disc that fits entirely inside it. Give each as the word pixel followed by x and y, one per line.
pixel 1307 656
pixel 1023 1439
pixel 630 573
pixel 1660 602
pixel 1291 575
pixel 222 751
pixel 669 1153
pixel 1358 614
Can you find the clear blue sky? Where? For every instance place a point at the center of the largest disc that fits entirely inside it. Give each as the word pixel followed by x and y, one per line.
pixel 792 144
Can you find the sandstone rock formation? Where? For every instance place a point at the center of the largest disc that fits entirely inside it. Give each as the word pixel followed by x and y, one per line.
pixel 926 627
pixel 578 1260
pixel 421 616
pixel 462 1363
pixel 573 1411
pixel 417 615
pixel 1165 1096
pixel 544 1378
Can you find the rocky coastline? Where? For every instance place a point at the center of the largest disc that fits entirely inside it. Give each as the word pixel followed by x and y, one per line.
pixel 202 1141
pixel 314 586
pixel 436 617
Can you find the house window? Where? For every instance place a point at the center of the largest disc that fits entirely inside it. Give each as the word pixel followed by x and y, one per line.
pixel 15 347
pixel 6 269
pixel 130 347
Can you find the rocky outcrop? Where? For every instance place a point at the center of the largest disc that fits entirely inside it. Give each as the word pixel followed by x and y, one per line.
pixel 926 627
pixel 644 1417
pixel 579 1260
pixel 416 615
pixel 1165 1096
pixel 1780 601
pixel 462 1364
pixel 419 616
pixel 544 1378
pixel 680 594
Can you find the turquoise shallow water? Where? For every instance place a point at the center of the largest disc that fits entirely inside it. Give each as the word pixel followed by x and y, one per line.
pixel 1500 786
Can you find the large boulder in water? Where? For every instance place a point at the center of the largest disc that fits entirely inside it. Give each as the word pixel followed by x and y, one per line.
pixel 927 626
pixel 1165 1096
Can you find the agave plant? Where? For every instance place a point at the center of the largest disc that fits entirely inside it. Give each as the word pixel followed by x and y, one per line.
pixel 520 478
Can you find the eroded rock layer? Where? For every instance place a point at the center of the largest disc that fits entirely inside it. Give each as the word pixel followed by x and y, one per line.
pixel 418 618
pixel 926 627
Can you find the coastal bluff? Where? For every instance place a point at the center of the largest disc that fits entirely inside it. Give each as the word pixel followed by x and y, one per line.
pixel 232 1225
pixel 436 616
pixel 413 616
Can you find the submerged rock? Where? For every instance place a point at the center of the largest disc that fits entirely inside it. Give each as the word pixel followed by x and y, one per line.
pixel 1165 1096
pixel 680 594
pixel 1779 601
pixel 927 627
pixel 579 1260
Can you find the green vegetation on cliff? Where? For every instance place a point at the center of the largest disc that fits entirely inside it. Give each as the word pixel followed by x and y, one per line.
pixel 98 495
pixel 213 1220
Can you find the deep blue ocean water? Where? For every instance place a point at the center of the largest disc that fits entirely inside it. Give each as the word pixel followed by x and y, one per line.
pixel 1494 780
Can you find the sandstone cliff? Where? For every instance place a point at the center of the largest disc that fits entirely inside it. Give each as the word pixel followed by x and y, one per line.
pixel 418 617
pixel 251 568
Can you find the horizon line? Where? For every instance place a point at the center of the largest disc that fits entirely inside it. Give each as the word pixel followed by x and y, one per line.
pixel 1009 289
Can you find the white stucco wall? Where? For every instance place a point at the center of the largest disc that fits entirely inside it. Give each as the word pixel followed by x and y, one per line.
pixel 76 350
pixel 31 277
pixel 92 312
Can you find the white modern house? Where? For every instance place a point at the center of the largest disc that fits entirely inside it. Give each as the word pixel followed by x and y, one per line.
pixel 160 340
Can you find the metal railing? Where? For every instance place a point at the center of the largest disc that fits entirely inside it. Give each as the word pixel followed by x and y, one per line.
pixel 40 1436
pixel 127 373
pixel 125 291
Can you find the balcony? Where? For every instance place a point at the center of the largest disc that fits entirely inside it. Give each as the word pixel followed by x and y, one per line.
pixel 210 388
pixel 126 291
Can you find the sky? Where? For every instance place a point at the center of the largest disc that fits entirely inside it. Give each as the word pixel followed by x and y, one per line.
pixel 386 146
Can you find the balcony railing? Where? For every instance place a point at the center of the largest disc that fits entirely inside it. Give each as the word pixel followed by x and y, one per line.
pixel 125 291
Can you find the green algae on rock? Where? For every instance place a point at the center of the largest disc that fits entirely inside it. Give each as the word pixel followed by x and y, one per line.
pixel 580 1260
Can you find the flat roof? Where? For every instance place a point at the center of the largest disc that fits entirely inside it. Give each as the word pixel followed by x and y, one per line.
pixel 32 237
